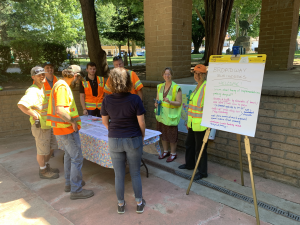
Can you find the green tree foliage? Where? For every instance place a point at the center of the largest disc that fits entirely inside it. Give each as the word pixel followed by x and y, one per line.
pixel 245 18
pixel 54 53
pixel 28 53
pixel 43 20
pixel 126 25
pixel 198 31
pixel 5 58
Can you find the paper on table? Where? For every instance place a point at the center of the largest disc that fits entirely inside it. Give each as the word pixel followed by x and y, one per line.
pixel 98 130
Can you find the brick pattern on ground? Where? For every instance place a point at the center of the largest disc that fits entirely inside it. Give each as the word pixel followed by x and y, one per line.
pixel 275 148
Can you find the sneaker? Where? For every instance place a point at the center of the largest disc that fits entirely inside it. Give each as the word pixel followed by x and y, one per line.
pixel 140 208
pixel 68 187
pixel 121 209
pixel 45 174
pixel 81 195
pixel 54 170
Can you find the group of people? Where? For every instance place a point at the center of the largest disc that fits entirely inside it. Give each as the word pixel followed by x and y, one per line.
pixel 54 116
pixel 169 96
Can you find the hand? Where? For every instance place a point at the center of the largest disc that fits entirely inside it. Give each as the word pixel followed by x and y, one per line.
pixel 155 104
pixel 187 127
pixel 143 137
pixel 75 126
pixel 167 100
pixel 85 112
pixel 36 117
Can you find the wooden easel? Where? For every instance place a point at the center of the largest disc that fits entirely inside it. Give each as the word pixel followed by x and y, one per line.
pixel 248 152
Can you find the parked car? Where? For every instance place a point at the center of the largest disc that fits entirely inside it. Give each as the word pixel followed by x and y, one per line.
pixel 140 53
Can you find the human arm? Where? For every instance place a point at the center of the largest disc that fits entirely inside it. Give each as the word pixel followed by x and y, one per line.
pixel 65 116
pixel 105 121
pixel 29 111
pixel 142 124
pixel 140 93
pixel 177 101
pixel 82 102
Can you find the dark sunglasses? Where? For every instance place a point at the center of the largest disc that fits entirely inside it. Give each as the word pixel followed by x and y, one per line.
pixel 117 58
pixel 38 71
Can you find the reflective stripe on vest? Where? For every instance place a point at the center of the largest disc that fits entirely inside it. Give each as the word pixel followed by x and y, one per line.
pixel 196 111
pixel 92 102
pixel 170 115
pixel 54 120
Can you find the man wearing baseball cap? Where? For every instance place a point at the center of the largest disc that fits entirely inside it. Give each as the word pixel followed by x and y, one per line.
pixel 196 132
pixel 32 104
pixel 63 116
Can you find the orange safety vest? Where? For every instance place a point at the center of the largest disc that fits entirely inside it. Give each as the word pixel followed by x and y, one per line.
pixel 53 119
pixel 93 102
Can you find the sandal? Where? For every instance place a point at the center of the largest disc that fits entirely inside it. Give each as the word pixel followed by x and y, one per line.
pixel 172 157
pixel 164 155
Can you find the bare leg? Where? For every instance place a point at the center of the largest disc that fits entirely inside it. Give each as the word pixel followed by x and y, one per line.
pixel 41 160
pixel 173 147
pixel 165 145
pixel 47 157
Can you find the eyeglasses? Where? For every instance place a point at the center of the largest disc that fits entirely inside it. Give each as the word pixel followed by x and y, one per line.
pixel 117 58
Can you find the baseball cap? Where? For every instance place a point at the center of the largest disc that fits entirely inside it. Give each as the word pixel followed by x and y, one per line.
pixel 48 63
pixel 37 70
pixel 74 68
pixel 200 68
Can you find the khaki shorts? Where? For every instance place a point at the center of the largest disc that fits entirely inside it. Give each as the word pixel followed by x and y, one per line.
pixel 44 140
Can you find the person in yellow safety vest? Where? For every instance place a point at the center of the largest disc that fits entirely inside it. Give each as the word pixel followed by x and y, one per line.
pixel 137 84
pixel 32 104
pixel 170 95
pixel 63 117
pixel 91 91
pixel 196 132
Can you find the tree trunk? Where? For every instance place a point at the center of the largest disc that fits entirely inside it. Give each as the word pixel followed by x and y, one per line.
pixel 120 49
pixel 216 24
pixel 133 48
pixel 237 23
pixel 129 53
pixel 96 53
pixel 197 43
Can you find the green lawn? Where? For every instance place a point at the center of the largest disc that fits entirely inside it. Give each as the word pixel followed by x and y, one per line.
pixel 134 60
pixel 141 59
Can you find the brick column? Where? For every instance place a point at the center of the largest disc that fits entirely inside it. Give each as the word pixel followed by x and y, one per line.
pixel 278 32
pixel 168 35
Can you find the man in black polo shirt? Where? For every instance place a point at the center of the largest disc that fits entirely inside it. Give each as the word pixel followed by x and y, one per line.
pixel 91 92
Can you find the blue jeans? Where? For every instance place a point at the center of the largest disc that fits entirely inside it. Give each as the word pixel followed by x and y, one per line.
pixel 131 149
pixel 73 160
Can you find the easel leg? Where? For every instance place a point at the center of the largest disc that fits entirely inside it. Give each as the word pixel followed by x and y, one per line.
pixel 248 152
pixel 238 137
pixel 198 161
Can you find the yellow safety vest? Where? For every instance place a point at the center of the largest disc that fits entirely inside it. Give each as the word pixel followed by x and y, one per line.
pixel 169 114
pixel 195 111
pixel 93 102
pixel 53 119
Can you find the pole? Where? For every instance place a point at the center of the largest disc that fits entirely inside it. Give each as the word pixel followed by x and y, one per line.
pixel 238 137
pixel 198 161
pixel 248 152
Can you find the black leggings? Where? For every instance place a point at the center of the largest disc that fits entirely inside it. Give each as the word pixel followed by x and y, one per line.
pixel 193 144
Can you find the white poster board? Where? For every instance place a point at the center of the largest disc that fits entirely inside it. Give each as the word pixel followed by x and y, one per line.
pixel 233 93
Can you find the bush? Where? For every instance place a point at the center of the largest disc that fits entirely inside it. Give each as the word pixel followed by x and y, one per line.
pixel 54 53
pixel 28 53
pixel 5 58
